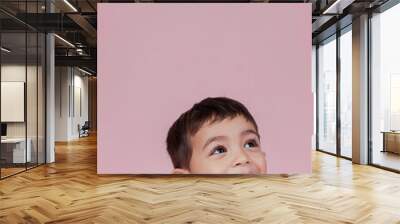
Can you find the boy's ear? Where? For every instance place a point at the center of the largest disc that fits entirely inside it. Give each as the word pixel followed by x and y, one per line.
pixel 180 171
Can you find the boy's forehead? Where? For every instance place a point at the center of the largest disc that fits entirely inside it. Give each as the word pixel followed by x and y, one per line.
pixel 215 119
pixel 226 126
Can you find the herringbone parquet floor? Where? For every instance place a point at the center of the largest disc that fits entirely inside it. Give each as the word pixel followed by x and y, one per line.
pixel 70 191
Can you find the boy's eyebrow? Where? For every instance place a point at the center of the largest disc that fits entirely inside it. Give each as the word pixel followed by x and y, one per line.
pixel 213 139
pixel 250 131
pixel 245 132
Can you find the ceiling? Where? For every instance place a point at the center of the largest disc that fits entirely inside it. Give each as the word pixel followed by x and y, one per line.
pixel 76 21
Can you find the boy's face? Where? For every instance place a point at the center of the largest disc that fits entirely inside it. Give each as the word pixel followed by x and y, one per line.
pixel 230 146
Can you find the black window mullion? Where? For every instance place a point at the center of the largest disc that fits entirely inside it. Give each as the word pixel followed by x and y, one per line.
pixel 338 91
pixel 37 89
pixel 369 90
pixel 317 96
pixel 26 86
pixel 0 95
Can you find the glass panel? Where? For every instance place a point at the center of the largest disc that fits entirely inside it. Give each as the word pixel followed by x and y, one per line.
pixel 22 87
pixel 31 101
pixel 314 91
pixel 385 87
pixel 346 93
pixel 327 96
pixel 32 87
pixel 41 98
pixel 13 87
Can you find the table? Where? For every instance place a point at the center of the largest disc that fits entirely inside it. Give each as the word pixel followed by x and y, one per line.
pixel 391 141
pixel 13 150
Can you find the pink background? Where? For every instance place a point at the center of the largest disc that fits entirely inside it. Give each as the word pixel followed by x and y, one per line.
pixel 156 60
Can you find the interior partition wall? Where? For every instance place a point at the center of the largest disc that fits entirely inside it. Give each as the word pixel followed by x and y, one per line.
pixel 22 89
pixel 334 94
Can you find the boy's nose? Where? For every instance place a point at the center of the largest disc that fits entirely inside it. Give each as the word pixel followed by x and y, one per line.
pixel 242 158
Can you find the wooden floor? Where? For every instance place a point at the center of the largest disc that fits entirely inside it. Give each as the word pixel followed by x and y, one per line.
pixel 70 191
pixel 5 172
pixel 387 159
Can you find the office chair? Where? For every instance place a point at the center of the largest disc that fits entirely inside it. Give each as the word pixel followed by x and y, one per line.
pixel 84 130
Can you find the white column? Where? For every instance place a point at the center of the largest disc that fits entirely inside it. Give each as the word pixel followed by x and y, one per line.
pixel 50 93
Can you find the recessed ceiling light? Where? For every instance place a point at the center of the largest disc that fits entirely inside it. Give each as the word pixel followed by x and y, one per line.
pixel 70 5
pixel 5 50
pixel 64 40
pixel 337 7
pixel 84 71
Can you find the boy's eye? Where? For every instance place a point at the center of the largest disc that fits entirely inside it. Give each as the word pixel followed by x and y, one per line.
pixel 218 150
pixel 250 144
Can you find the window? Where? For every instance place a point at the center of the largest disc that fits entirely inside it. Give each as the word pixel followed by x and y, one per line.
pixel 327 95
pixel 385 89
pixel 346 92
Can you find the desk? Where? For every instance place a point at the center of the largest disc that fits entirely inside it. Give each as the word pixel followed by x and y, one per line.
pixel 391 141
pixel 13 150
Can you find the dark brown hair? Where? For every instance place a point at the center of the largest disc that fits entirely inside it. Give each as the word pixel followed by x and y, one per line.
pixel 187 125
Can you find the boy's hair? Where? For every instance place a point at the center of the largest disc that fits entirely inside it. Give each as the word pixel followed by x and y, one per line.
pixel 208 110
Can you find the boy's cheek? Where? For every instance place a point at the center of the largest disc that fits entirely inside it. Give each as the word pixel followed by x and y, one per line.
pixel 260 161
pixel 208 166
pixel 201 164
pixel 198 164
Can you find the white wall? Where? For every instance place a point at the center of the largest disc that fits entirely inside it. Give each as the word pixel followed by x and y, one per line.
pixel 16 72
pixel 62 81
pixel 70 83
pixel 12 101
pixel 79 117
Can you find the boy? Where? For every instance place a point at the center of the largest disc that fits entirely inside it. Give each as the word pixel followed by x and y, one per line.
pixel 216 136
